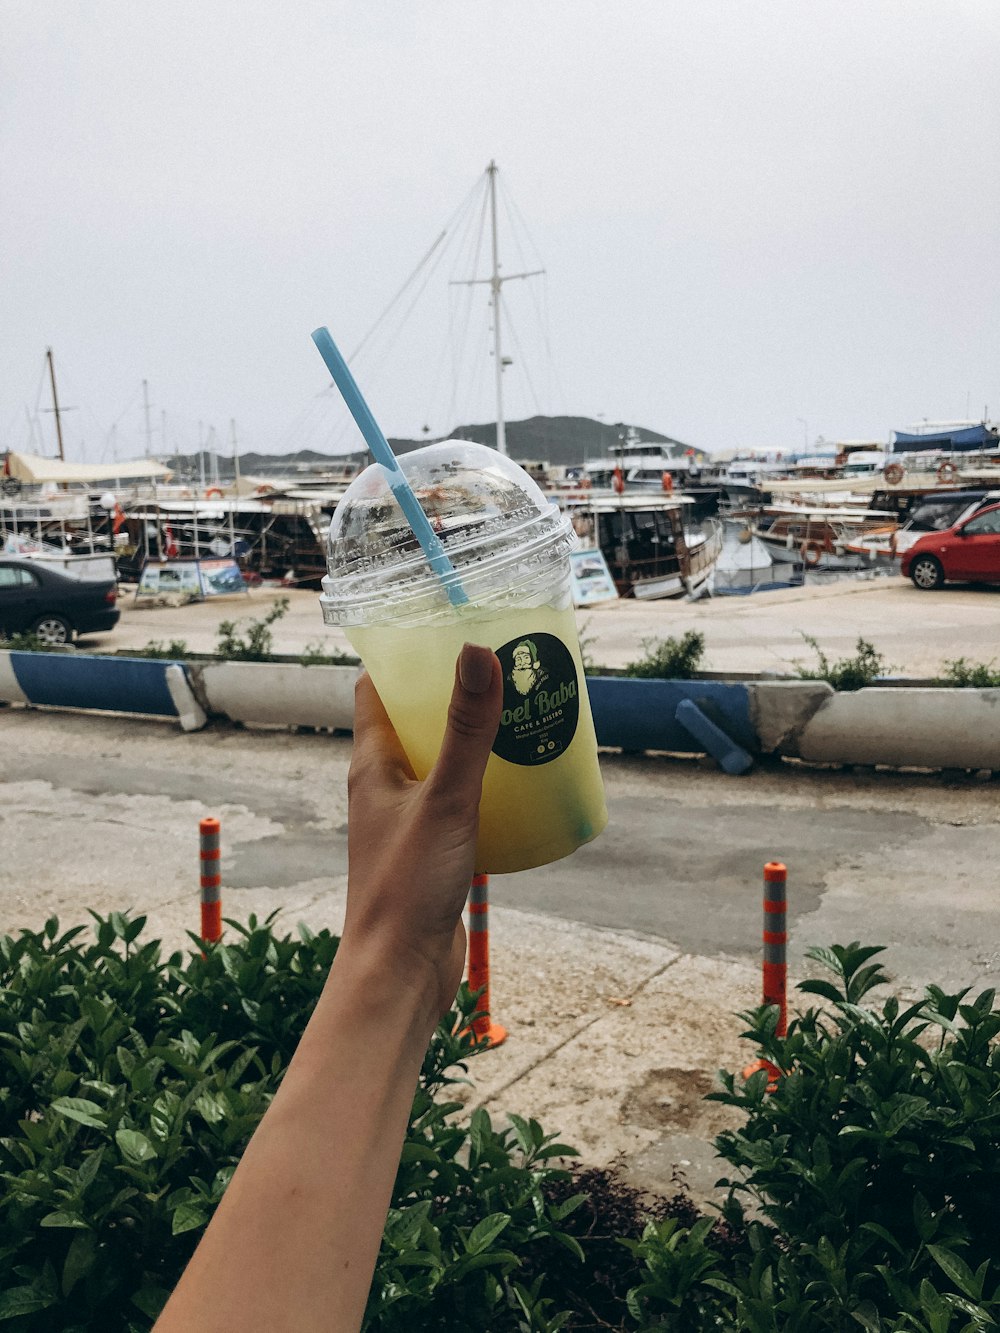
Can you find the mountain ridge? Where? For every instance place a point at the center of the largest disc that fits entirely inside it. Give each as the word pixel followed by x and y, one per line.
pixel 559 441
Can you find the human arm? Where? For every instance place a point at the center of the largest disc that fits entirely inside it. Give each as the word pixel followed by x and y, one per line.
pixel 293 1244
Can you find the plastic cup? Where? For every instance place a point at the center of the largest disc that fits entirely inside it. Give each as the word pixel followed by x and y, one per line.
pixel 542 794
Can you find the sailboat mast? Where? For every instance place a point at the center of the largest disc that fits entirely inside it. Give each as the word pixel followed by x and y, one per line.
pixel 495 285
pixel 149 429
pixel 236 455
pixel 55 402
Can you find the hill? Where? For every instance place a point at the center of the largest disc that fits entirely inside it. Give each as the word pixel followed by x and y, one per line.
pixel 558 441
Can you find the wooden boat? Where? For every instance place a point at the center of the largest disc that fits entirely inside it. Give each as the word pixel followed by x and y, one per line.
pixel 651 550
pixel 818 537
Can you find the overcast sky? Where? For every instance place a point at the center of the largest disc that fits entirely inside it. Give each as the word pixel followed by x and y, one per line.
pixel 761 222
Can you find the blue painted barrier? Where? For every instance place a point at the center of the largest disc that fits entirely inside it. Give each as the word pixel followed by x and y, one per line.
pixel 110 684
pixel 632 714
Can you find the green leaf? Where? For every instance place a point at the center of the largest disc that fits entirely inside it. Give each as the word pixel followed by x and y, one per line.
pixel 150 1299
pixel 419 1152
pixel 79 1260
pixel 484 1233
pixel 87 1172
pixel 817 986
pixel 17 1301
pixel 62 1220
pixel 135 1147
pixel 186 1217
pixel 81 1110
pixel 958 1270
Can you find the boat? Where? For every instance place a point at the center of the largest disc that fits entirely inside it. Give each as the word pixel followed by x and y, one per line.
pixel 665 467
pixel 745 565
pixel 651 549
pixel 816 536
pixel 274 538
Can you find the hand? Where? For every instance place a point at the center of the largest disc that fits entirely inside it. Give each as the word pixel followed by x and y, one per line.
pixel 411 845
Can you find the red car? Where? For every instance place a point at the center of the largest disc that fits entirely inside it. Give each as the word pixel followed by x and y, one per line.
pixel 968 552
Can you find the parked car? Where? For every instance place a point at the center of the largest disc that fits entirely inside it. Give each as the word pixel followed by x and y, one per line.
pixel 51 604
pixel 967 552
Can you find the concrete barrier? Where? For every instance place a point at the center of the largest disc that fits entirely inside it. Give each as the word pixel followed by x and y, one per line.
pixel 91 681
pixel 10 687
pixel 895 726
pixel 780 710
pixel 632 714
pixel 280 694
pixel 904 728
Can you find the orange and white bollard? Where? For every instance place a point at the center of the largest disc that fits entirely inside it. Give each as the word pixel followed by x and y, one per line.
pixel 211 880
pixel 775 965
pixel 479 960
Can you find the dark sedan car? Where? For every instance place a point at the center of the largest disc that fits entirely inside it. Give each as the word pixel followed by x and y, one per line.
pixel 967 552
pixel 35 599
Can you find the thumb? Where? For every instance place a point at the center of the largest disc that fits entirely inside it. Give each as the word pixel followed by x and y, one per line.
pixel 473 718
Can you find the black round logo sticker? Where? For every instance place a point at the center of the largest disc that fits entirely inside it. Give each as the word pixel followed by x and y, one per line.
pixel 541 700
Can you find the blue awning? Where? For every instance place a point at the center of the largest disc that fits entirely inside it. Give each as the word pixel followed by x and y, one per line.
pixel 970 437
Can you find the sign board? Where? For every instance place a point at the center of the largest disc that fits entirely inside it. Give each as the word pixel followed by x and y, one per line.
pixel 190 578
pixel 592 581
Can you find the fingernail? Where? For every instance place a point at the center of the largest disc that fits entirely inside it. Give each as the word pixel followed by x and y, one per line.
pixel 475 668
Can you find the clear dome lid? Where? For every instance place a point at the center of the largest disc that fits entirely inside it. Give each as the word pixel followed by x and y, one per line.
pixel 498 529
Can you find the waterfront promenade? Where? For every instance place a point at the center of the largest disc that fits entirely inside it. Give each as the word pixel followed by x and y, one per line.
pixel 916 632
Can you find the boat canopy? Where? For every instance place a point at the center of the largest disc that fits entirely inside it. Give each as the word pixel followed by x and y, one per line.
pixel 964 438
pixel 34 470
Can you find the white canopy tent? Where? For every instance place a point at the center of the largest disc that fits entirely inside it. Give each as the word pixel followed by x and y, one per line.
pixel 33 470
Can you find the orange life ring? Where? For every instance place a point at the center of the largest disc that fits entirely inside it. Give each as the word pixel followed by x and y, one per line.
pixel 894 473
pixel 947 470
pixel 213 492
pixel 668 483
pixel 264 489
pixel 811 552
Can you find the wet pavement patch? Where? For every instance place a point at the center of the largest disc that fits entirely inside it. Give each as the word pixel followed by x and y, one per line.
pixel 285 860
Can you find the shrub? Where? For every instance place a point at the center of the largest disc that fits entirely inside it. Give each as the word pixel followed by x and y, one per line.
pixel 28 642
pixel 320 654
pixel 965 674
pixel 157 648
pixel 255 645
pixel 130 1083
pixel 850 673
pixel 873 1171
pixel 669 659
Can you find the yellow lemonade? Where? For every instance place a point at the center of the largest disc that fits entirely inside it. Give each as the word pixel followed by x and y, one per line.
pixel 542 795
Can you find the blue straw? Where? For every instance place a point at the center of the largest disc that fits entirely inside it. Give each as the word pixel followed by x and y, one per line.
pixel 401 489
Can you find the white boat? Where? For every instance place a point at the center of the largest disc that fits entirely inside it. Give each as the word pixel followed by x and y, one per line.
pixel 651 550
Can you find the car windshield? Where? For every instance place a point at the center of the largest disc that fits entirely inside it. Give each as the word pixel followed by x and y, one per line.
pixel 937 515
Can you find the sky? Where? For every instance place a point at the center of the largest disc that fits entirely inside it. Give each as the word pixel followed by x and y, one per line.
pixel 761 222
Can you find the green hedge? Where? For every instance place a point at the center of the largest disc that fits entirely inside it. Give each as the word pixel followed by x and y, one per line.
pixel 862 1192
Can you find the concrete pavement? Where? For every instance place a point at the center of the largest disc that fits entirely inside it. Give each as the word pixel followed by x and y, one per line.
pixel 916 632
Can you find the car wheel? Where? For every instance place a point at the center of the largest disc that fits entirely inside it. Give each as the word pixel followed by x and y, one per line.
pixel 53 630
pixel 926 572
